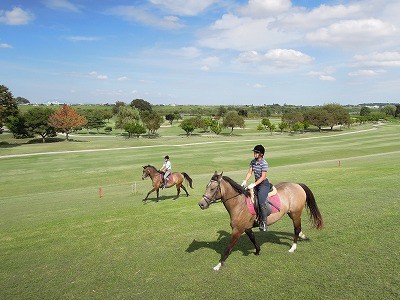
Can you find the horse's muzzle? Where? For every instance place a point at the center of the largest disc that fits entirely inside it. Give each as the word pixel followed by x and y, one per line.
pixel 203 204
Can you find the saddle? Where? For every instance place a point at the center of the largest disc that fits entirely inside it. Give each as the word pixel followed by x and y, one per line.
pixel 273 200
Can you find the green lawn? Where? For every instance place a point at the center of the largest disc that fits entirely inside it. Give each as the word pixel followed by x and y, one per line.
pixel 59 240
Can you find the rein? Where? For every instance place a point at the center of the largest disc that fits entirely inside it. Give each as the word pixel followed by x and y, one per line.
pixel 214 199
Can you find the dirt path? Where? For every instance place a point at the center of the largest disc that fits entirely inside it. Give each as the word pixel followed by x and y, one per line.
pixel 177 145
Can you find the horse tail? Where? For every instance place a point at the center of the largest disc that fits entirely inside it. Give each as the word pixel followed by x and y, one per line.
pixel 315 215
pixel 187 177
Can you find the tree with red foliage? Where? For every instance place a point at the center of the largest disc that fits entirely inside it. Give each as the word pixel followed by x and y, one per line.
pixel 66 119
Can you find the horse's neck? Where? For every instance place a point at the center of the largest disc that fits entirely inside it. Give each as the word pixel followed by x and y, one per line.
pixel 231 198
pixel 153 172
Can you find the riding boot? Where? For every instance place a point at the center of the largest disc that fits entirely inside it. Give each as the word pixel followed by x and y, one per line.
pixel 264 214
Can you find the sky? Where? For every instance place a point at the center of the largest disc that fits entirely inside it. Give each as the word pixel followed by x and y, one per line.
pixel 208 52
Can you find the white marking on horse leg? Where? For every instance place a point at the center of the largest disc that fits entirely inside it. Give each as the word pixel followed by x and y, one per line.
pixel 217 267
pixel 302 235
pixel 294 247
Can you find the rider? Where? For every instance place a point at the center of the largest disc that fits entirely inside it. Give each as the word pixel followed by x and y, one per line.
pixel 261 186
pixel 166 169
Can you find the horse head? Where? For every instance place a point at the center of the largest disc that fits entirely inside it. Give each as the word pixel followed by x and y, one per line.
pixel 212 192
pixel 145 172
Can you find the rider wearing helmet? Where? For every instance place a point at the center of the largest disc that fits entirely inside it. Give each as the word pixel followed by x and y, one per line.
pixel 261 186
pixel 166 169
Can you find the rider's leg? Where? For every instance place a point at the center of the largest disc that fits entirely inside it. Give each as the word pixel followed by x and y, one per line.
pixel 265 207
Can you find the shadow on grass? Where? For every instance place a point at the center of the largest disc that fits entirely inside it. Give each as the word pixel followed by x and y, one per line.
pixel 163 198
pixel 244 244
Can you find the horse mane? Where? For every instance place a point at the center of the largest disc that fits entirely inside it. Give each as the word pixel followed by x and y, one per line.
pixel 150 166
pixel 236 186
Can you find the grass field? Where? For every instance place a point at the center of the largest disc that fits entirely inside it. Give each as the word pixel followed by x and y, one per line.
pixel 59 240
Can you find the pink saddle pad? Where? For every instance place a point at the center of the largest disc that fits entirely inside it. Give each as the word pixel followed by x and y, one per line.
pixel 274 200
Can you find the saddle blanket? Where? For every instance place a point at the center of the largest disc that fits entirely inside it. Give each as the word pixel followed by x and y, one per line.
pixel 274 201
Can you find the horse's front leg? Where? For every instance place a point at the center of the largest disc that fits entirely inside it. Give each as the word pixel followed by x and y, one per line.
pixel 234 238
pixel 252 238
pixel 152 190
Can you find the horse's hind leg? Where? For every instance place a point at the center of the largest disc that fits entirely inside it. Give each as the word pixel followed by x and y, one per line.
pixel 183 187
pixel 252 238
pixel 296 218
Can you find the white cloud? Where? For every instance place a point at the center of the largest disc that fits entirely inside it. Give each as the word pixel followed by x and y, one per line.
pixel 63 5
pixel 205 68
pixel 323 75
pixel 243 34
pixel 258 86
pixel 141 15
pixel 5 46
pixel 287 58
pixel 82 38
pixel 184 7
pixel 16 16
pixel 352 32
pixel 123 78
pixel 98 76
pixel 265 8
pixel 320 16
pixel 364 73
pixel 190 52
pixel 382 59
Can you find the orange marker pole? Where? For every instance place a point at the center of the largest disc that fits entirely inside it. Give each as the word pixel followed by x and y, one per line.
pixel 339 163
pixel 100 192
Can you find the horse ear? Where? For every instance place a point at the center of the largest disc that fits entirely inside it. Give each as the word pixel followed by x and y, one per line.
pixel 215 173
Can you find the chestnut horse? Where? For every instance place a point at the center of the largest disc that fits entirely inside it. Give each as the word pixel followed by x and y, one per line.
pixel 173 179
pixel 293 197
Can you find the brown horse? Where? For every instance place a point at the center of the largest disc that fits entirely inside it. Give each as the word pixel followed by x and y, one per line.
pixel 293 196
pixel 173 179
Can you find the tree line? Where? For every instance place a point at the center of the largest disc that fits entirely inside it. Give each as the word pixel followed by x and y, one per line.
pixel 140 117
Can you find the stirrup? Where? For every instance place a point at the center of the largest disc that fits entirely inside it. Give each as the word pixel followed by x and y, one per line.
pixel 263 226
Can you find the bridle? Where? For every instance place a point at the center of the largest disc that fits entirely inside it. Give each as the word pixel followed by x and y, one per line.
pixel 213 199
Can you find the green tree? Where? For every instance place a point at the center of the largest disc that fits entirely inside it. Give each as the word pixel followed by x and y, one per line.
pixel 95 118
pixel 389 110
pixel 292 117
pixel 16 124
pixel 271 127
pixel 151 120
pixel 8 106
pixel 36 120
pixel 116 107
pixel 282 126
pixel 216 127
pixel 170 118
pixel 21 100
pixel 266 122
pixel 318 117
pixel 141 105
pixel 125 115
pixel 135 129
pixel 365 111
pixel 66 119
pixel 232 119
pixel 187 126
pixel 338 115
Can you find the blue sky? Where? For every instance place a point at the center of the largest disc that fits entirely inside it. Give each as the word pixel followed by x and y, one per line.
pixel 201 52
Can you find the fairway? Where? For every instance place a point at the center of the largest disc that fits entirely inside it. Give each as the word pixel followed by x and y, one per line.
pixel 60 240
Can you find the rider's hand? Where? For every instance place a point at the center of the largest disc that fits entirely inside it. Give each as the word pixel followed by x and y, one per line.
pixel 251 186
pixel 244 183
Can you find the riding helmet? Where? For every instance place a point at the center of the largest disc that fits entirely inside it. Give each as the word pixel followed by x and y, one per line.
pixel 259 149
pixel 166 157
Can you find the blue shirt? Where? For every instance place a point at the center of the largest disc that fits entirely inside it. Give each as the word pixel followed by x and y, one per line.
pixel 258 167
